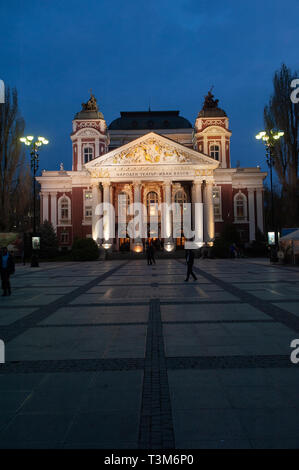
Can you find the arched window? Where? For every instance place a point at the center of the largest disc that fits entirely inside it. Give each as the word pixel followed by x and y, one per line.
pixel 64 210
pixel 88 154
pixel 152 201
pixel 240 207
pixel 215 152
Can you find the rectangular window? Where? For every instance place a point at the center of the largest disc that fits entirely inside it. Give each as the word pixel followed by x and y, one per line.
pixel 64 237
pixel 87 205
pixel 88 212
pixel 88 154
pixel 217 202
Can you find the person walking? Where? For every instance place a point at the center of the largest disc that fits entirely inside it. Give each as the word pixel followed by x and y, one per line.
pixel 190 261
pixel 7 267
pixel 148 254
pixel 152 253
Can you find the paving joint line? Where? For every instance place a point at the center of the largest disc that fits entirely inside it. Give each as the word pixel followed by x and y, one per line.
pixel 7 333
pixel 156 429
pixel 278 314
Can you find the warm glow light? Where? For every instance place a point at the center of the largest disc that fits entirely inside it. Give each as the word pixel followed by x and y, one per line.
pixel 106 246
pixel 138 249
pixel 169 246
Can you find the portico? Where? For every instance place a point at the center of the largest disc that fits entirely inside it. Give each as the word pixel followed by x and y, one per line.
pixel 152 171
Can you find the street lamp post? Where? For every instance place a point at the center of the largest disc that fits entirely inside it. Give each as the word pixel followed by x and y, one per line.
pixel 34 146
pixel 270 141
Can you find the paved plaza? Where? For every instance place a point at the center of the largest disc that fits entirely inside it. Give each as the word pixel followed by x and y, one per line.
pixel 118 354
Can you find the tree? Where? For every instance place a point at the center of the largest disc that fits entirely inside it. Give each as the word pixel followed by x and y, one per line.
pixel 282 114
pixel 15 184
pixel 48 240
pixel 85 249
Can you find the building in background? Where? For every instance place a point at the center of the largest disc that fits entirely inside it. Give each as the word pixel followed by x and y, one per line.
pixel 151 157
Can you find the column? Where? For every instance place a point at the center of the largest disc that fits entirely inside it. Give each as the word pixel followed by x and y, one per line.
pixel 198 213
pixel 259 209
pixel 45 206
pixel 223 152
pixel 96 221
pixel 54 210
pixel 167 213
pixel 137 245
pixel 79 154
pixel 107 216
pixel 209 226
pixel 192 207
pixel 251 214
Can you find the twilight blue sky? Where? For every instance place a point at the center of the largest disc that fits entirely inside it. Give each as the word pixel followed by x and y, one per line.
pixel 132 52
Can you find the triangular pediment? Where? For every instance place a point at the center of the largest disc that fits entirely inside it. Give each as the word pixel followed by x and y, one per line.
pixel 152 149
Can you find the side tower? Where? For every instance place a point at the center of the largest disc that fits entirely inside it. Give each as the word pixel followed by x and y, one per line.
pixel 89 137
pixel 211 133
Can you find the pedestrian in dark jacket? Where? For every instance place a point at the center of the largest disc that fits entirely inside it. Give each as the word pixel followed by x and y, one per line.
pixel 7 267
pixel 152 253
pixel 190 261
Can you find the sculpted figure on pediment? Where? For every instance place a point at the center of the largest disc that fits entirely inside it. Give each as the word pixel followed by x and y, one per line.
pixel 151 152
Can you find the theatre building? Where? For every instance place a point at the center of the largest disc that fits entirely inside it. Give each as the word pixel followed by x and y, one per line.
pixel 151 157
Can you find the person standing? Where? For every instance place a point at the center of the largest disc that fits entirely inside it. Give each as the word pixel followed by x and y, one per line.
pixel 190 261
pixel 7 267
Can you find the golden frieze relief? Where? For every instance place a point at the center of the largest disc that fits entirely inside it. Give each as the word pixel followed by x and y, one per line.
pixel 151 151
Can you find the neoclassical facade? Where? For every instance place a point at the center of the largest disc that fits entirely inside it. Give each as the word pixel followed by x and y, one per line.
pixel 151 157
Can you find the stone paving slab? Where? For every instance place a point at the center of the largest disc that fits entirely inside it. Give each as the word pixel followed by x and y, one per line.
pixel 210 312
pixel 124 355
pixel 292 307
pixel 98 315
pixel 10 315
pixel 82 342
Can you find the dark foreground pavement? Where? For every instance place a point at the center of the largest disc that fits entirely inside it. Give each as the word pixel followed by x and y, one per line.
pixel 124 355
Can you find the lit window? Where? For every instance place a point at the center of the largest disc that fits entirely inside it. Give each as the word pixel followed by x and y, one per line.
pixel 217 202
pixel 152 204
pixel 181 199
pixel 88 154
pixel 123 203
pixel 87 204
pixel 215 152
